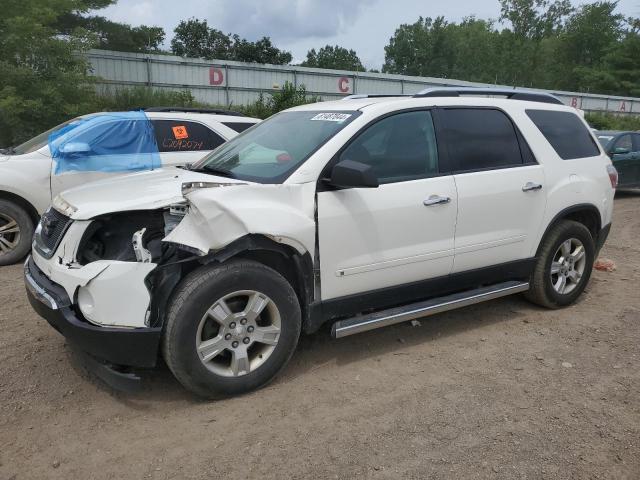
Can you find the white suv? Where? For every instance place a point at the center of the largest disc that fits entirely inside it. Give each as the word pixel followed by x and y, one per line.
pixel 29 179
pixel 359 213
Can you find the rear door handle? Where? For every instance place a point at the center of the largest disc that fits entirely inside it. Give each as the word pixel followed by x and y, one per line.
pixel 529 186
pixel 436 200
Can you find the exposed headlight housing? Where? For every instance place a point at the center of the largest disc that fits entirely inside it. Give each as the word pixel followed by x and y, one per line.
pixel 188 187
pixel 61 205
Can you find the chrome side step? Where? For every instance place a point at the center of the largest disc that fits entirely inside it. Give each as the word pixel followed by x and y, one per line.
pixel 363 323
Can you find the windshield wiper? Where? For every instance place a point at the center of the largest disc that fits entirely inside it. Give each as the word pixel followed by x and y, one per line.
pixel 8 151
pixel 223 172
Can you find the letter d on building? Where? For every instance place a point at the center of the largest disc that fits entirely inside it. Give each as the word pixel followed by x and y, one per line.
pixel 216 76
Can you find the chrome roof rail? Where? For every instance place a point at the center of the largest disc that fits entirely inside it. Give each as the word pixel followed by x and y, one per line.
pixel 510 93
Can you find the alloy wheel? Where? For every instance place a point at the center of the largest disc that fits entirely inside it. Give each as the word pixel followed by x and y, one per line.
pixel 238 333
pixel 9 234
pixel 567 266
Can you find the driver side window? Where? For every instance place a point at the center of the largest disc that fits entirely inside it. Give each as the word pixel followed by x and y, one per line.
pixel 623 143
pixel 399 148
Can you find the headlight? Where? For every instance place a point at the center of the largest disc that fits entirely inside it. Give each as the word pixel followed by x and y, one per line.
pixel 174 216
pixel 61 205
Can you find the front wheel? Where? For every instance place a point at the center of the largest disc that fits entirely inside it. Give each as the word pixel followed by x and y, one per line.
pixel 16 231
pixel 564 265
pixel 231 328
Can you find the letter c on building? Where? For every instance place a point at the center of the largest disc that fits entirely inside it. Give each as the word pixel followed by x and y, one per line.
pixel 343 84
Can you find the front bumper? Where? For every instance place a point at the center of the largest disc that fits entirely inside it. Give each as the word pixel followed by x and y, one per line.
pixel 134 347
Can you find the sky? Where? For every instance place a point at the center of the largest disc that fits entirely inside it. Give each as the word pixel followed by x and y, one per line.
pixel 299 25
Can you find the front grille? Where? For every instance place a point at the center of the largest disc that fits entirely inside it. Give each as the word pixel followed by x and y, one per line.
pixel 51 229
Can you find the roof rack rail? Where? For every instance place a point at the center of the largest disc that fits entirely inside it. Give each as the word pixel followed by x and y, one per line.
pixel 213 111
pixel 356 96
pixel 512 94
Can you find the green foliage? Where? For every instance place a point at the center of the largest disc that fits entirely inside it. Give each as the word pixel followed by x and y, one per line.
pixel 112 35
pixel 194 38
pixel 42 79
pixel 141 97
pixel 609 121
pixel 337 58
pixel 288 96
pixel 548 44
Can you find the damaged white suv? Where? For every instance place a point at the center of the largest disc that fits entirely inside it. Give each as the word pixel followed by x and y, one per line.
pixel 359 213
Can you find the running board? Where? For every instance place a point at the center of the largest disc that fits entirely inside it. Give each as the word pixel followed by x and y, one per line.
pixel 363 323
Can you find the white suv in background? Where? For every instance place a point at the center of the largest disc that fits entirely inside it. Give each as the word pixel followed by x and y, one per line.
pixel 359 213
pixel 28 180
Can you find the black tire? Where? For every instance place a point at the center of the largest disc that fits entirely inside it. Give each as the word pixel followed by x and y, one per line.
pixel 11 212
pixel 542 291
pixel 195 295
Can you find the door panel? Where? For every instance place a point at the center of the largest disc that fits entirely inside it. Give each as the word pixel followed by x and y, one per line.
pixel 625 163
pixel 497 220
pixel 386 236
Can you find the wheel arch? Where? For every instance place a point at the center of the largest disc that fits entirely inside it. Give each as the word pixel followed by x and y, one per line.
pixel 295 267
pixel 22 202
pixel 585 213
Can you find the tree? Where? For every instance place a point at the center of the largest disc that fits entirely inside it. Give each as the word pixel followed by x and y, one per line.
pixel 535 19
pixel 337 58
pixel 194 38
pixel 112 35
pixel 423 48
pixel 42 79
pixel 261 51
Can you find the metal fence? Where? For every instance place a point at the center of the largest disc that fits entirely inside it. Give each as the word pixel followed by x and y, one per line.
pixel 230 83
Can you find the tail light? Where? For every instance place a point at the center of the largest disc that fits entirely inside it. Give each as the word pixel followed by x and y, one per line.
pixel 613 175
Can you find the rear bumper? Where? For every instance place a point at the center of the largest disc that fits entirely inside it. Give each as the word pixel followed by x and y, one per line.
pixel 134 347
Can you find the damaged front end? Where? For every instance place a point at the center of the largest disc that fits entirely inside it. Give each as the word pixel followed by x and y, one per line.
pixel 108 266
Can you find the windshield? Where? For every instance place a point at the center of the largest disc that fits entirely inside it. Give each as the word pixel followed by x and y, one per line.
pixel 39 141
pixel 273 149
pixel 605 139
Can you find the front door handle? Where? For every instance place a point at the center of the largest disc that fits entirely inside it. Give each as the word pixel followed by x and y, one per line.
pixel 436 200
pixel 529 186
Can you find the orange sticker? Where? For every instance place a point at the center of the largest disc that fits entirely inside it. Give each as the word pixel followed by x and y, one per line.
pixel 180 132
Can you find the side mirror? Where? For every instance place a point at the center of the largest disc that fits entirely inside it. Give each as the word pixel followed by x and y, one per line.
pixel 621 151
pixel 350 174
pixel 75 147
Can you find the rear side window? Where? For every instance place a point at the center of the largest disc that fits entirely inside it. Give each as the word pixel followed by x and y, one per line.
pixel 480 139
pixel 238 126
pixel 181 136
pixel 565 132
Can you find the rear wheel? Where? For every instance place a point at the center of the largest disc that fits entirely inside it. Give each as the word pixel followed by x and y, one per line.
pixel 16 231
pixel 564 265
pixel 231 328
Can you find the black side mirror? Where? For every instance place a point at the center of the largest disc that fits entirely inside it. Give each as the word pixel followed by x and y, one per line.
pixel 350 174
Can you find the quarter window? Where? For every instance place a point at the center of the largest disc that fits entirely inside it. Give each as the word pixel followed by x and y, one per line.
pixel 398 148
pixel 238 126
pixel 566 133
pixel 480 139
pixel 181 136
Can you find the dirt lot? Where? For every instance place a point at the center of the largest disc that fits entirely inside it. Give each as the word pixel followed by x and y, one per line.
pixel 503 390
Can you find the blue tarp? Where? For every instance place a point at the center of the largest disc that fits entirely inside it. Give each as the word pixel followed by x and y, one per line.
pixel 106 142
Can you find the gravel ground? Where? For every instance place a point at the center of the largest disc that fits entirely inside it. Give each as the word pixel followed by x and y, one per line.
pixel 501 390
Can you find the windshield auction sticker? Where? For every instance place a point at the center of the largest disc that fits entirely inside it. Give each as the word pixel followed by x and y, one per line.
pixel 332 117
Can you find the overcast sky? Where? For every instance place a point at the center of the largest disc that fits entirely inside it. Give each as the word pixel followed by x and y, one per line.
pixel 298 25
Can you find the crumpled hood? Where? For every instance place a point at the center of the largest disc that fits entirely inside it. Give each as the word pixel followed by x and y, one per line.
pixel 138 191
